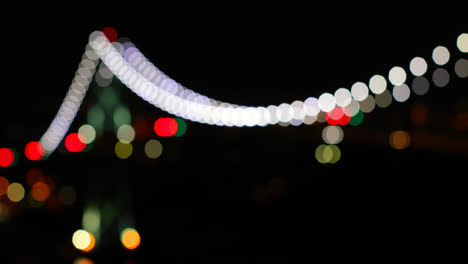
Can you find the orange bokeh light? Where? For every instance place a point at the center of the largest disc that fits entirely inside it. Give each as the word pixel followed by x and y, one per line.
pixel 130 238
pixel 91 245
pixel 40 191
pixel 3 185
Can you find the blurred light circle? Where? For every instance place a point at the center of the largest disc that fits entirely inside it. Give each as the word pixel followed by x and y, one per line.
pixel 336 153
pixel 359 91
pixel 368 104
pixel 74 142
pixel 384 99
pixel 181 127
pixel 461 68
pixel 126 133
pixel 418 66
pixel 123 150
pixel 332 134
pixel 3 185
pixel 15 192
pixel 326 102
pixel 352 109
pixel 342 97
pixel 40 191
pixel 130 238
pixel 440 55
pixel 420 85
pixel 284 112
pixel 110 33
pixel 311 106
pixel 322 154
pixel 397 75
pixel 440 77
pixel 81 239
pixel 377 84
pixel 165 127
pixel 401 93
pixel 7 157
pixel 399 139
pixel 88 132
pixel 34 150
pixel 153 148
pixel 462 42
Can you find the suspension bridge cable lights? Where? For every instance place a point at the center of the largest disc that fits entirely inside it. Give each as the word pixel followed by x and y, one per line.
pixel 153 86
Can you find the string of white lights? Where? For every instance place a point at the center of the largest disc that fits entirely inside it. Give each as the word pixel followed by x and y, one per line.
pixel 71 103
pixel 147 81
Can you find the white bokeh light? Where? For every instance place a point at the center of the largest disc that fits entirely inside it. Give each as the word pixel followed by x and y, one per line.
pixel 418 66
pixel 359 91
pixel 397 75
pixel 326 102
pixel 342 97
pixel 377 84
pixel 440 55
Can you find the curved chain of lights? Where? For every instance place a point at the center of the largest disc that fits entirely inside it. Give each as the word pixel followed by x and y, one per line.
pixel 148 82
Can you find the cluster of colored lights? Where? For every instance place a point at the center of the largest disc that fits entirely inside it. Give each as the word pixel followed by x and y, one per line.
pixel 38 190
pixel 86 242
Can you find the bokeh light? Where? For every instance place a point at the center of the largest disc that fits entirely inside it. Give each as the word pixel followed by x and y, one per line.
pixel 440 77
pixel 123 150
pixel 110 33
pixel 15 192
pixel 4 183
pixel 130 238
pixel 342 97
pixel 397 75
pixel 153 148
pixel 126 133
pixel 368 104
pixel 165 127
pixel 34 150
pixel 462 42
pixel 7 157
pixel 181 127
pixel 88 132
pixel 420 85
pixel 359 91
pixel 461 68
pixel 75 142
pixel 326 102
pixel 440 55
pixel 377 84
pixel 327 154
pixel 122 116
pixel 357 119
pixel 83 240
pixel 384 99
pixel 83 260
pixel 91 219
pixel 401 93
pixel 399 139
pixel 418 66
pixel 40 191
pixel 337 116
pixel 332 134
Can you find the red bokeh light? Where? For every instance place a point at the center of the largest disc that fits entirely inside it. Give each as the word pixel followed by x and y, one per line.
pixel 165 127
pixel 34 150
pixel 7 157
pixel 110 33
pixel 337 117
pixel 74 142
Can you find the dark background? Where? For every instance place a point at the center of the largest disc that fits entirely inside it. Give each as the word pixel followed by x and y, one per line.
pixel 248 195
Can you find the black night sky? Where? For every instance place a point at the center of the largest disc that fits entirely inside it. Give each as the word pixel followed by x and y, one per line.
pixel 243 195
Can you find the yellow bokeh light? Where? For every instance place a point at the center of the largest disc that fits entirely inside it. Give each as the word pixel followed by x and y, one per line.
pixel 130 238
pixel 15 192
pixel 82 239
pixel 462 42
pixel 153 148
pixel 123 150
pixel 399 139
